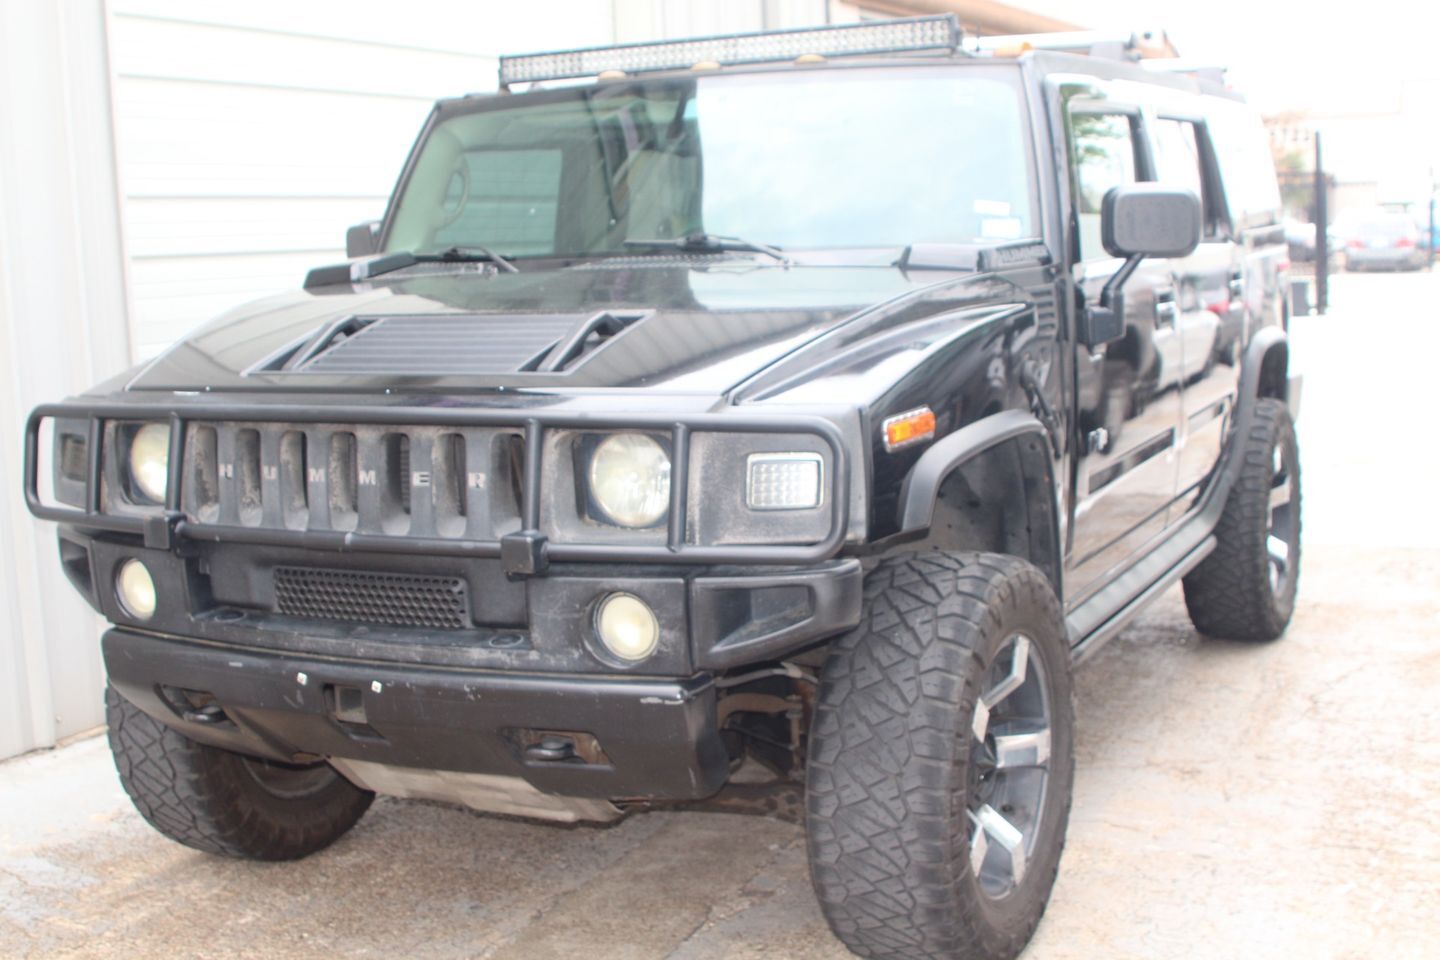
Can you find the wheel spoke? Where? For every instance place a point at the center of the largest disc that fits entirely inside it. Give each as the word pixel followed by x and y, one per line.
pixel 1278 550
pixel 1013 681
pixel 1003 832
pixel 1280 496
pixel 980 726
pixel 1021 744
pixel 979 846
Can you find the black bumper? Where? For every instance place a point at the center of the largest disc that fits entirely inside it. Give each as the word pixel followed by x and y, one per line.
pixel 652 739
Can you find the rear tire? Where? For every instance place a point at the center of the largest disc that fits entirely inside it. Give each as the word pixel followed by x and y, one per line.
pixel 941 760
pixel 1245 589
pixel 222 802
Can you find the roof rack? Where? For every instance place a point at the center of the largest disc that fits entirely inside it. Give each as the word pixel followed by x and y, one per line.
pixel 908 35
pixel 1199 69
pixel 1105 44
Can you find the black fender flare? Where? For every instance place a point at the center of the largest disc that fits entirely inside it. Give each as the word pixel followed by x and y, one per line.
pixel 921 486
pixel 1266 342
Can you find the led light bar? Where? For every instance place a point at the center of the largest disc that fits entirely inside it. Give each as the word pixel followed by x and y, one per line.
pixel 783 481
pixel 845 40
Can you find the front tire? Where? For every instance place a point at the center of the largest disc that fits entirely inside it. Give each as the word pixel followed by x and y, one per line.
pixel 1245 589
pixel 941 760
pixel 224 803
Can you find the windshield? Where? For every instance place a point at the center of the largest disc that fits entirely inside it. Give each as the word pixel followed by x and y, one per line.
pixel 830 159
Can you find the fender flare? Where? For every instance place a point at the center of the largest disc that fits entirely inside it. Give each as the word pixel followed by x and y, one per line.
pixel 921 488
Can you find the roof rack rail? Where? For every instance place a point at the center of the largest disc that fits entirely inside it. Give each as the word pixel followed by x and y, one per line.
pixel 869 37
pixel 1105 44
pixel 1199 69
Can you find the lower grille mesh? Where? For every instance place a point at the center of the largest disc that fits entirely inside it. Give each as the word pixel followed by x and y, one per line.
pixel 397 599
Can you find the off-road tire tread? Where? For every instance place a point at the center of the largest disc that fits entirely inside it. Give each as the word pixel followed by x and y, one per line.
pixel 201 796
pixel 886 850
pixel 1228 595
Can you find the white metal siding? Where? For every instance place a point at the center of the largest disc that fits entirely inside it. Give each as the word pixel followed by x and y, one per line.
pixel 62 327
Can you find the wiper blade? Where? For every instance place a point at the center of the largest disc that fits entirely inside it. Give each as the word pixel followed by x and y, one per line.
pixel 468 254
pixel 709 243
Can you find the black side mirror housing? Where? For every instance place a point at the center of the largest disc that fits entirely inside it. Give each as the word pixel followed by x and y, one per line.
pixel 1138 220
pixel 363 239
pixel 1149 220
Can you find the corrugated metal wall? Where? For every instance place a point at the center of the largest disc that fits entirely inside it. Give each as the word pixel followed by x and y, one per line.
pixel 62 327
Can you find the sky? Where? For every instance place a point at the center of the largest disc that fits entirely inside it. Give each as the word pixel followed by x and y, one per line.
pixel 1332 61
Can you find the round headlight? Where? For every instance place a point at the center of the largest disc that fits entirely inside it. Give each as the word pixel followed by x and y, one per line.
pixel 630 479
pixel 150 460
pixel 136 589
pixel 627 626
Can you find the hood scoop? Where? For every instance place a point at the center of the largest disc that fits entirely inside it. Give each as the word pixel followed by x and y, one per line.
pixel 452 344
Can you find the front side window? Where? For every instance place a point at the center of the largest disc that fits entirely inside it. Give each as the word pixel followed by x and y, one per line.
pixel 1102 156
pixel 860 158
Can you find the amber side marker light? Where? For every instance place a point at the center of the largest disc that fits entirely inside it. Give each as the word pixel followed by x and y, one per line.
pixel 913 426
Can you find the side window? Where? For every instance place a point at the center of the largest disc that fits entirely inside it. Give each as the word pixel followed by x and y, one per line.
pixel 1102 155
pixel 1179 163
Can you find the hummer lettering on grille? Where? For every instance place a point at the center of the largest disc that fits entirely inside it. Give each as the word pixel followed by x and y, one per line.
pixel 367 478
pixel 227 470
pixel 477 481
pixel 317 474
pixel 420 478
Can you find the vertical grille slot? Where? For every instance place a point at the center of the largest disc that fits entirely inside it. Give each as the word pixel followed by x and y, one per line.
pixel 250 498
pixel 294 501
pixel 204 475
pixel 447 484
pixel 344 480
pixel 394 493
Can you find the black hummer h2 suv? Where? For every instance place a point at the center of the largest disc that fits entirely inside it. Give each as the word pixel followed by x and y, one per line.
pixel 810 400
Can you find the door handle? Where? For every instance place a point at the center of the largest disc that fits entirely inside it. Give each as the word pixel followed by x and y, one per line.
pixel 1166 309
pixel 1237 287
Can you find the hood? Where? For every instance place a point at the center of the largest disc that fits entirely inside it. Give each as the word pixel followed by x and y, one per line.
pixel 449 328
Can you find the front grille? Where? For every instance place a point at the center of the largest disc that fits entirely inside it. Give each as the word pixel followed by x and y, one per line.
pixel 396 599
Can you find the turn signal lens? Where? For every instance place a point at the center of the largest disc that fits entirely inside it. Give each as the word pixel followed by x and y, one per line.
pixel 783 481
pixel 910 427
pixel 136 589
pixel 627 627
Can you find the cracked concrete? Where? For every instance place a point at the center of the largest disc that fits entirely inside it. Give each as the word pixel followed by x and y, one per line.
pixel 1270 801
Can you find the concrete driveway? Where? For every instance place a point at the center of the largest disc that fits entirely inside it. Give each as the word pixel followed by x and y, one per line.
pixel 1231 801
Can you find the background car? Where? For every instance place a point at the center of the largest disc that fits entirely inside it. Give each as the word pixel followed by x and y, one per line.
pixel 1384 241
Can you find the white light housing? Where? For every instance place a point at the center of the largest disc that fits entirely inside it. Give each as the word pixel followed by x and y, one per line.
pixel 150 460
pixel 630 479
pixel 784 481
pixel 848 39
pixel 136 589
pixel 627 627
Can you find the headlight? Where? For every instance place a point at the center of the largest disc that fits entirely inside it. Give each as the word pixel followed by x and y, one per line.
pixel 150 460
pixel 630 479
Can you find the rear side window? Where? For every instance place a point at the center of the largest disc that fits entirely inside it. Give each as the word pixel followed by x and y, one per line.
pixel 1242 152
pixel 1102 156
pixel 1180 162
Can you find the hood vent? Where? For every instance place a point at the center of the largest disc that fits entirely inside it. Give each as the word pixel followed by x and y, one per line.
pixel 453 344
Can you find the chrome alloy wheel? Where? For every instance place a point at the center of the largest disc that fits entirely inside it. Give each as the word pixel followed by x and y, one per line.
pixel 1284 528
pixel 1009 767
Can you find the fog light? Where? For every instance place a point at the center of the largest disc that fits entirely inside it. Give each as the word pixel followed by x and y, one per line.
pixel 627 627
pixel 783 481
pixel 136 589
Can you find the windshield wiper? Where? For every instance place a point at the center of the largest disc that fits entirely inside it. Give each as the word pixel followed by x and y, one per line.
pixel 709 243
pixel 469 254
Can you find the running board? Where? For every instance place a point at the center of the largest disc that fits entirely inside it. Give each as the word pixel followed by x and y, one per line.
pixel 1094 637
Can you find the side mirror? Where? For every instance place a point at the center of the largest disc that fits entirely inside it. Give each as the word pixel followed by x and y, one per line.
pixel 1149 220
pixel 1138 220
pixel 363 239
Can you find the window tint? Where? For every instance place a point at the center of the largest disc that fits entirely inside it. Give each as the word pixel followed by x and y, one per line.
pixel 839 159
pixel 1179 162
pixel 503 199
pixel 1102 156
